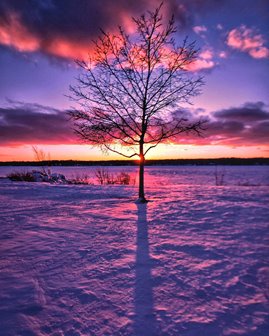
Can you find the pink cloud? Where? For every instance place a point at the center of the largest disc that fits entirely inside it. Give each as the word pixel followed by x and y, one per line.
pixel 246 40
pixel 261 52
pixel 223 54
pixel 199 29
pixel 206 54
pixel 61 47
pixel 203 62
pixel 14 34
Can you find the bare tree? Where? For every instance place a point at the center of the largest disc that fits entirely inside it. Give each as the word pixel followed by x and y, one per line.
pixel 130 90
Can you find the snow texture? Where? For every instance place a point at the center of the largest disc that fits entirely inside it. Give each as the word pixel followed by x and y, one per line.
pixel 87 260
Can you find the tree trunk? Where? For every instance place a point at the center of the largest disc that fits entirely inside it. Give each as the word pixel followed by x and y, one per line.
pixel 141 193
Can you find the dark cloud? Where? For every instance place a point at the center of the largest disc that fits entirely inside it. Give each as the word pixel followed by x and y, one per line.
pixel 249 112
pixel 73 19
pixel 55 27
pixel 23 123
pixel 66 28
pixel 34 123
pixel 229 128
pixel 238 126
pixel 260 131
pixel 245 125
pixel 83 19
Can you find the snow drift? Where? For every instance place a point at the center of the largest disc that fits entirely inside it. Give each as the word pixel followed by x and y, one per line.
pixel 87 260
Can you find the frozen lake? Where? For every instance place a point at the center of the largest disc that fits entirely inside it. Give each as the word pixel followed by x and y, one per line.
pixel 174 175
pixel 87 260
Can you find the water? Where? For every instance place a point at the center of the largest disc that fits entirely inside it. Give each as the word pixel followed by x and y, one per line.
pixel 169 175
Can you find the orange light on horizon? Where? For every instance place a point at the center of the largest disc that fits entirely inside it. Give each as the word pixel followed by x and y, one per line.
pixel 84 152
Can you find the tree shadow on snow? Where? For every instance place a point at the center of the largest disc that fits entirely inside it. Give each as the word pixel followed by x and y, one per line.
pixel 144 320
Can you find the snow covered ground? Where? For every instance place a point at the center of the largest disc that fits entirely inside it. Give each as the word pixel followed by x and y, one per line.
pixel 88 260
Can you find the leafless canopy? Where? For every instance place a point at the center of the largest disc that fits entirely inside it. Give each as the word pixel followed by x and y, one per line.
pixel 131 88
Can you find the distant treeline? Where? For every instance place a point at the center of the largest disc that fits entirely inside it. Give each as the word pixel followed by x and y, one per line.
pixel 169 162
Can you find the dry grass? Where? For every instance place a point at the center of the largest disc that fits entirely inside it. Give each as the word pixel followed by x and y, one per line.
pixel 21 176
pixel 105 177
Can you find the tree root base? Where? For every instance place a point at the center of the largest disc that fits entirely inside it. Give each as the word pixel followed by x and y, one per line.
pixel 141 200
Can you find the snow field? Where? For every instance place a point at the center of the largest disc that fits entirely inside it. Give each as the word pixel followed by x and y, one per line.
pixel 87 260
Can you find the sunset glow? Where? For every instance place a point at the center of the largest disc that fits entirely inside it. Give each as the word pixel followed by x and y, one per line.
pixel 134 155
pixel 39 46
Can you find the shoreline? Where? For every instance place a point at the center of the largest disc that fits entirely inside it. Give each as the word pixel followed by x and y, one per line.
pixel 166 162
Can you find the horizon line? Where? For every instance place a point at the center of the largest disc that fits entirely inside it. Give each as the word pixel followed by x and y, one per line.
pixel 137 160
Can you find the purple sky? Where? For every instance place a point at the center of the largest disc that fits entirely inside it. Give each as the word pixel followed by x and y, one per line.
pixel 39 40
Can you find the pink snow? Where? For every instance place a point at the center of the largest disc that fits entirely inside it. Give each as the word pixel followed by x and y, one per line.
pixel 88 260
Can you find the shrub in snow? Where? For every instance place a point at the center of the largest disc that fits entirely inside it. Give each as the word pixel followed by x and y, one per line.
pixel 219 176
pixel 21 176
pixel 79 179
pixel 105 177
pixel 123 178
pixel 57 178
pixel 37 176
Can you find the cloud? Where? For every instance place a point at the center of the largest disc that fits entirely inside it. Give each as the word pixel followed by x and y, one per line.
pixel 22 123
pixel 34 123
pixel 204 61
pixel 261 52
pixel 246 125
pixel 243 125
pixel 13 33
pixel 223 54
pixel 249 112
pixel 199 29
pixel 66 28
pixel 247 40
pixel 233 133
pixel 206 54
